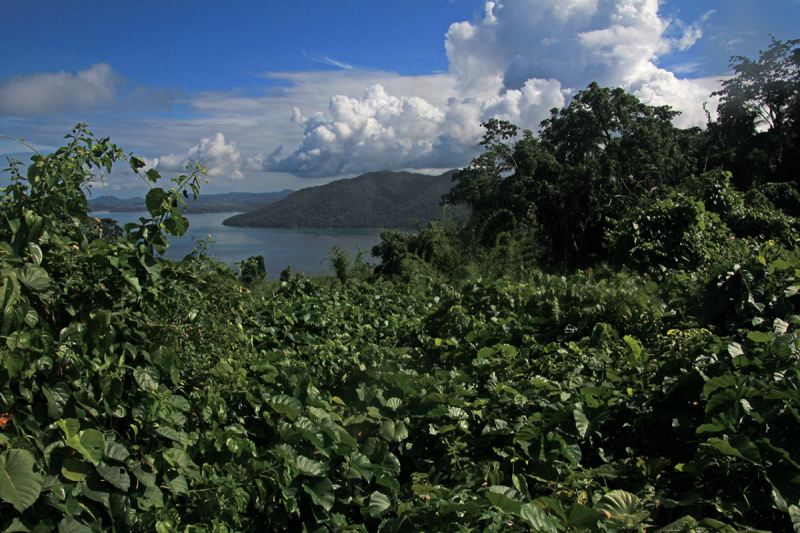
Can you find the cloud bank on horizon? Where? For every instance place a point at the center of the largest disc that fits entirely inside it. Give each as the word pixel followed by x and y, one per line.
pixel 520 60
pixel 516 61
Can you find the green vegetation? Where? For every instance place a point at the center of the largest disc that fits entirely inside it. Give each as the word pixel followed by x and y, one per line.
pixel 476 380
pixel 375 200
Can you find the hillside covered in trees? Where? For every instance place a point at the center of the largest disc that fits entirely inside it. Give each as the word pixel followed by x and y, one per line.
pixel 374 200
pixel 609 343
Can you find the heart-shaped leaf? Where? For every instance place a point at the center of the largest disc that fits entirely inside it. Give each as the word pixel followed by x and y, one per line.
pixel 19 484
pixel 90 443
pixel 321 494
pixel 379 504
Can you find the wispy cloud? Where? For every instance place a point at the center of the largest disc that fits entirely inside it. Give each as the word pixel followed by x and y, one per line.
pixel 325 60
pixel 96 89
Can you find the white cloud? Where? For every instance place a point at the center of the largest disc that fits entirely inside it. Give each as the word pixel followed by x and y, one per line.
pixel 521 59
pixel 516 61
pixel 98 88
pixel 374 132
pixel 221 159
pixel 45 92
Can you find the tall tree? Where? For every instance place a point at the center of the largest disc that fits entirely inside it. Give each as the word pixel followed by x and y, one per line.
pixel 593 159
pixel 758 130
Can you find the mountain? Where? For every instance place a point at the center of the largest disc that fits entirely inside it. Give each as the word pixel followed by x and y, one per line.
pixel 375 200
pixel 207 203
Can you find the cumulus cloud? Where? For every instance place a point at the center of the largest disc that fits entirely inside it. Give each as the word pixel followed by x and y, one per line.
pixel 221 159
pixel 44 92
pixel 373 132
pixel 516 62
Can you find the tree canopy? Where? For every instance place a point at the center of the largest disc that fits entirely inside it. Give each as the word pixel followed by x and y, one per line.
pixel 603 153
pixel 757 133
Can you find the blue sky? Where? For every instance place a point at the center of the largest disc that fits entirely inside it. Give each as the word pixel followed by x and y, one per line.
pixel 288 94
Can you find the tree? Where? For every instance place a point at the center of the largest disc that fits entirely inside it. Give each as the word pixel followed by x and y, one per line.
pixel 757 134
pixel 603 153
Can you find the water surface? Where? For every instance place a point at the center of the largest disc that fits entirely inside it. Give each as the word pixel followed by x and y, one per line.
pixel 301 249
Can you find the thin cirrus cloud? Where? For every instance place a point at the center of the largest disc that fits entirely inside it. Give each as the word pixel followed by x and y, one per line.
pixel 518 61
pixel 328 61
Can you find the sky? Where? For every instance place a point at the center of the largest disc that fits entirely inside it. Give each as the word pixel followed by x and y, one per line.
pixel 271 95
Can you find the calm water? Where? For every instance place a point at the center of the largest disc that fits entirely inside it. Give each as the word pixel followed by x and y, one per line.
pixel 302 249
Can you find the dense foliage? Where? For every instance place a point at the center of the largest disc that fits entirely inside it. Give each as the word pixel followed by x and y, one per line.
pixel 474 382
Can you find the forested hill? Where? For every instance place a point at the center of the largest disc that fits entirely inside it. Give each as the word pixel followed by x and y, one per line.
pixel 374 200
pixel 208 203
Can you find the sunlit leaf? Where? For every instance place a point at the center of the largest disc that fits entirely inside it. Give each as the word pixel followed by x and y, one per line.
pixel 178 484
pixel 537 518
pixel 116 475
pixel 70 525
pixel 379 504
pixel 90 443
pixel 287 405
pixel 146 377
pixel 35 277
pixel 19 484
pixel 309 467
pixel 394 431
pixel 75 469
pixel 70 427
pixel 619 503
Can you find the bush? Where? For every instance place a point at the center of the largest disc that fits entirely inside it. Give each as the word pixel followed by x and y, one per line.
pixel 676 233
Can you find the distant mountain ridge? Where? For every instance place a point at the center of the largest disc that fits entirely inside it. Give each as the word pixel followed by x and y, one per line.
pixel 383 199
pixel 206 203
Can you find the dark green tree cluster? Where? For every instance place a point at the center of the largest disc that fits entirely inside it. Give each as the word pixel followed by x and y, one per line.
pixel 608 164
pixel 757 132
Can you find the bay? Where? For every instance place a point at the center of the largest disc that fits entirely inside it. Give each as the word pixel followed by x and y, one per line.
pixel 301 249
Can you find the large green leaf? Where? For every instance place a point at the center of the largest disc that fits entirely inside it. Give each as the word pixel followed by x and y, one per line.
pixel 737 446
pixel 287 405
pixel 19 484
pixel 619 503
pixel 116 451
pixel 379 504
pixel 794 514
pixel 394 431
pixel 679 526
pixel 176 224
pixel 537 518
pixel 147 378
pixel 57 398
pixel 70 525
pixel 75 470
pixel 154 201
pixel 34 277
pixel 90 443
pixel 361 466
pixel 310 467
pixel 759 336
pixel 581 422
pixel 321 493
pixel 503 502
pixel 116 475
pixel 178 484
